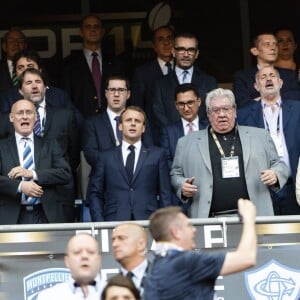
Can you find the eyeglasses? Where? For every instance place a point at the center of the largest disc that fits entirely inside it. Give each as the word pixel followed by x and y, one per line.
pixel 182 50
pixel 189 104
pixel 225 110
pixel 12 41
pixel 27 113
pixel 114 90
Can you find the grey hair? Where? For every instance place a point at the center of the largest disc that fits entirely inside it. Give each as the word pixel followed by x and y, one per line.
pixel 219 92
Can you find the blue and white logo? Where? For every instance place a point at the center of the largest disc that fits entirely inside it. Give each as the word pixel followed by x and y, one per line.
pixel 273 281
pixel 43 279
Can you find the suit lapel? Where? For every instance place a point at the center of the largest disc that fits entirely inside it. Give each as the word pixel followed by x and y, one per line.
pixel 141 159
pixel 13 150
pixel 246 143
pixel 109 128
pixel 37 151
pixel 49 117
pixel 203 146
pixel 287 112
pixel 257 115
pixel 118 158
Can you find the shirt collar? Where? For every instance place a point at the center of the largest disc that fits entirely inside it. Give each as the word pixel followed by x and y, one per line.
pixel 99 284
pixel 179 70
pixel 137 146
pixel 138 271
pixel 195 122
pixel 162 248
pixel 19 137
pixel 265 104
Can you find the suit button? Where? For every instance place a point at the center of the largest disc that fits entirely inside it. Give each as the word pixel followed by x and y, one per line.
pixel 131 189
pixel 95 98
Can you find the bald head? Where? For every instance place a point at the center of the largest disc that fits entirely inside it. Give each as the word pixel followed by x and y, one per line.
pixel 23 116
pixel 129 242
pixel 83 258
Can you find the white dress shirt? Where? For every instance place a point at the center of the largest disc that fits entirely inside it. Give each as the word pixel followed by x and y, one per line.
pixel 186 127
pixel 67 291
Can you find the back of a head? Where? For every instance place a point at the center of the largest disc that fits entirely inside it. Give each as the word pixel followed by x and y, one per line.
pixel 161 221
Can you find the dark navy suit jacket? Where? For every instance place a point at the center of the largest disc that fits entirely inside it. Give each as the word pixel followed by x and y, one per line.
pixel 170 135
pixel 6 81
pixel 244 91
pixel 252 115
pixel 113 198
pixel 98 135
pixel 142 81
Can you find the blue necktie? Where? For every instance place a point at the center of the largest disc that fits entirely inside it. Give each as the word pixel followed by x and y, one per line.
pixel 130 162
pixel 118 131
pixel 184 76
pixel 27 164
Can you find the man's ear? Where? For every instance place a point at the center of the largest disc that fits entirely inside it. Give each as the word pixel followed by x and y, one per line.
pixel 254 51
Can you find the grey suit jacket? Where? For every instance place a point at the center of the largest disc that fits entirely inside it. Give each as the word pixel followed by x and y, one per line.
pixel 259 153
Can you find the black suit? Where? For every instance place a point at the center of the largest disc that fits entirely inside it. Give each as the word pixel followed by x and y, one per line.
pixel 52 171
pixel 6 81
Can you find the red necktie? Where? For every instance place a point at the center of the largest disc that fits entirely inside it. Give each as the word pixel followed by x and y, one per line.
pixel 96 72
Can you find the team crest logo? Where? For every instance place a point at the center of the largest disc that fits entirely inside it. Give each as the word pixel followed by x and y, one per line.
pixel 273 281
pixel 43 279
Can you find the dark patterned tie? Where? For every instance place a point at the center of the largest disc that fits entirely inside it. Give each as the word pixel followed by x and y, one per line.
pixel 118 131
pixel 37 129
pixel 96 72
pixel 169 66
pixel 130 162
pixel 184 76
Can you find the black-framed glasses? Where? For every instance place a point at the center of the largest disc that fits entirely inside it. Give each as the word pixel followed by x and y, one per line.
pixel 114 90
pixel 189 51
pixel 189 104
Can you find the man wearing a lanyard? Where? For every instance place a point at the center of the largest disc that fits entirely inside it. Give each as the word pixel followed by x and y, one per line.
pixel 281 118
pixel 216 166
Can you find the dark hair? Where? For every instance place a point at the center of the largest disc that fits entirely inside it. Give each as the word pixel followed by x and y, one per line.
pixel 256 37
pixel 186 87
pixel 118 77
pixel 90 16
pixel 187 35
pixel 5 37
pixel 168 27
pixel 29 54
pixel 32 71
pixel 135 108
pixel 161 221
pixel 121 281
pixel 288 28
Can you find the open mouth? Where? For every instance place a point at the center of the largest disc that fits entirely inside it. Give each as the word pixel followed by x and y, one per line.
pixel 269 84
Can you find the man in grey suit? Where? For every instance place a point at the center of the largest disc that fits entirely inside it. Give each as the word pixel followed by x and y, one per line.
pixel 216 166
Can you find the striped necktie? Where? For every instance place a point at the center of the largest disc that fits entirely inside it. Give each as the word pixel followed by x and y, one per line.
pixel 37 129
pixel 27 164
pixel 190 126
pixel 14 78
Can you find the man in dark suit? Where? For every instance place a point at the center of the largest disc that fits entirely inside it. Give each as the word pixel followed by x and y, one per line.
pixel 86 91
pixel 31 169
pixel 101 131
pixel 144 75
pixel 130 181
pixel 185 52
pixel 14 41
pixel 187 103
pixel 281 118
pixel 56 97
pixel 265 49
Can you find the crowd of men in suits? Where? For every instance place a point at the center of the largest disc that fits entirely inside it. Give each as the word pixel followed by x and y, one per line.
pixel 167 136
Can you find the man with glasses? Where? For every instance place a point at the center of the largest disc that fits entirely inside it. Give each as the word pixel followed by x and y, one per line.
pixel 13 42
pixel 187 102
pixel 101 131
pixel 185 52
pixel 31 171
pixel 215 167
